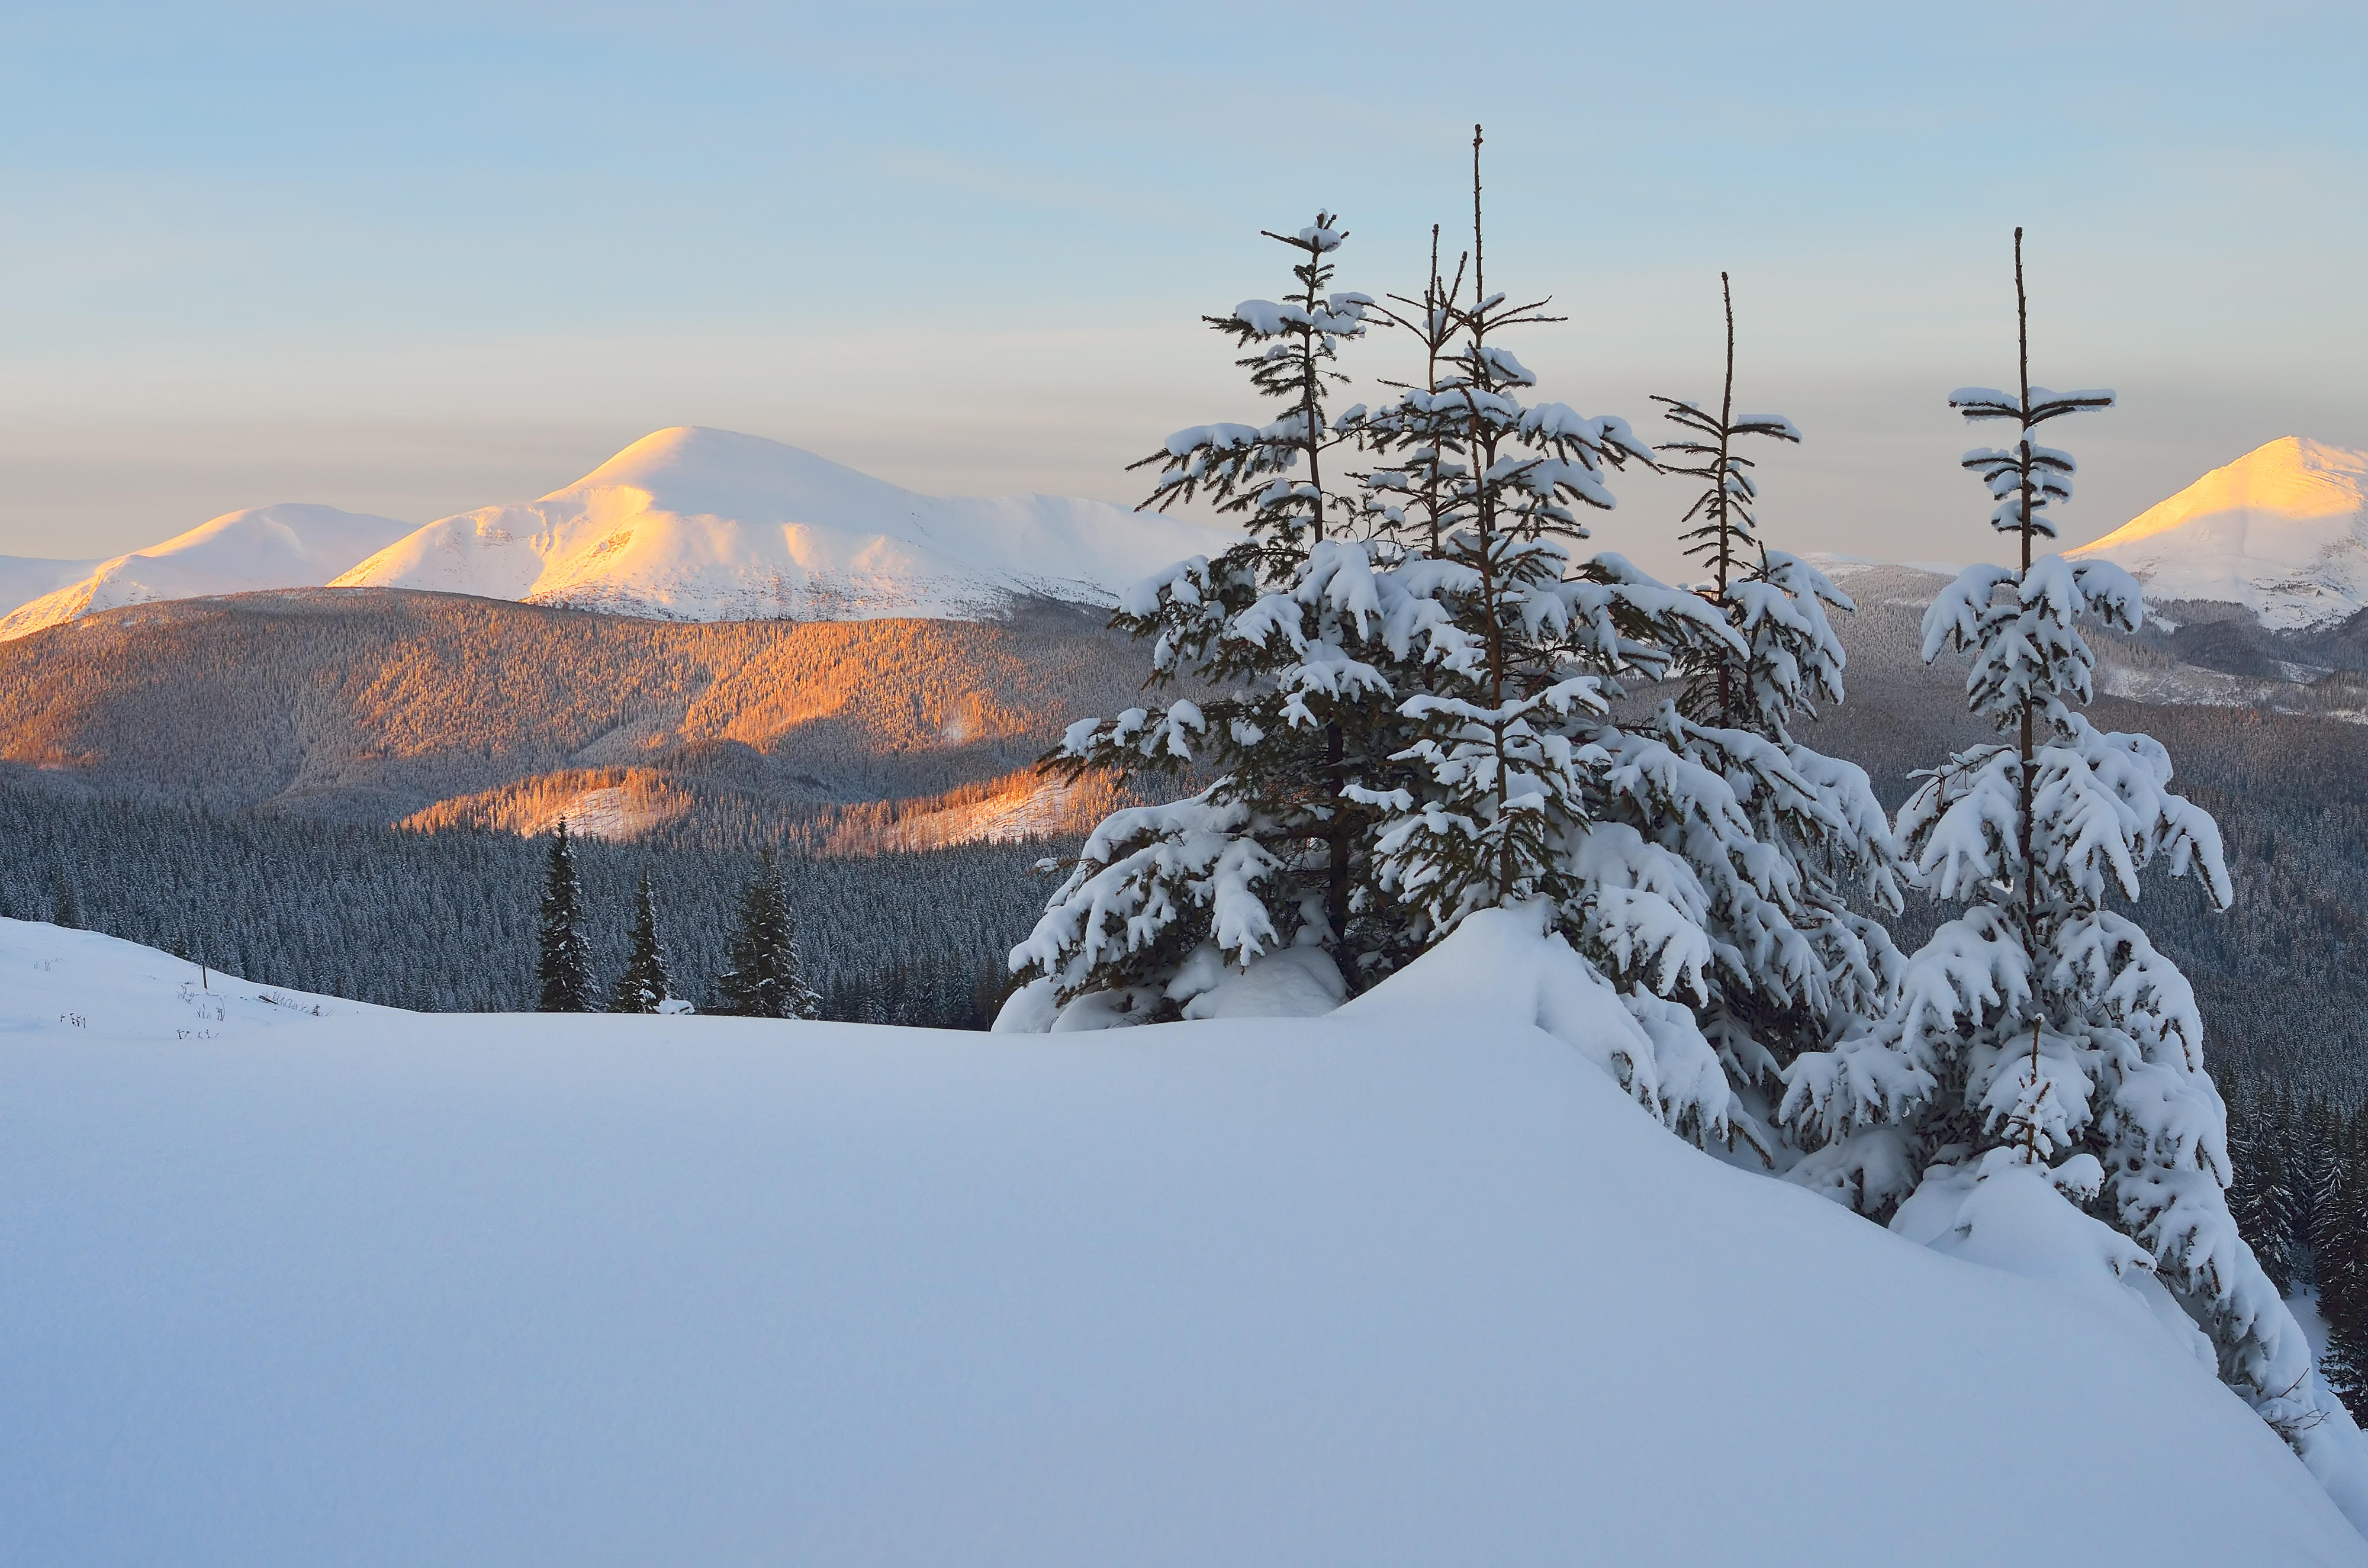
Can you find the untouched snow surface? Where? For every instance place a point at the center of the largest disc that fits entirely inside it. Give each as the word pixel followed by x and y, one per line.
pixel 288 546
pixel 2283 531
pixel 694 524
pixel 1411 1283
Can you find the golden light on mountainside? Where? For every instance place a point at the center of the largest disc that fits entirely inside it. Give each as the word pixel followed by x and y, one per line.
pixel 379 705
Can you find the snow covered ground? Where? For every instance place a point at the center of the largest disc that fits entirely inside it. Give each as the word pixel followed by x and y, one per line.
pixel 1411 1283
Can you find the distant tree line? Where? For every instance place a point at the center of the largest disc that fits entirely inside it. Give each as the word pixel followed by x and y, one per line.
pixel 2300 1195
pixel 452 921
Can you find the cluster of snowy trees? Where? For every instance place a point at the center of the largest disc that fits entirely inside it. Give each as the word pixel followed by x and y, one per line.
pixel 1413 697
pixel 766 978
pixel 450 921
pixel 2300 1193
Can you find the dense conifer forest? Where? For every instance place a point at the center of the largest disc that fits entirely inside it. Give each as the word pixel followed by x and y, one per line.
pixel 448 921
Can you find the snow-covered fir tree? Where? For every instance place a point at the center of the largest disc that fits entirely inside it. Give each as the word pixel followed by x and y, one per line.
pixel 767 979
pixel 642 988
pixel 65 910
pixel 1793 967
pixel 1523 780
pixel 1276 637
pixel 562 963
pixel 2260 1193
pixel 2041 1042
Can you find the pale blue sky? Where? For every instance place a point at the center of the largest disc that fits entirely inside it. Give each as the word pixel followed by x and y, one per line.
pixel 420 259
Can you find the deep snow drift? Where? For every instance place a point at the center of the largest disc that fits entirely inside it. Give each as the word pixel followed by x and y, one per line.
pixel 289 546
pixel 695 524
pixel 1409 1283
pixel 2283 531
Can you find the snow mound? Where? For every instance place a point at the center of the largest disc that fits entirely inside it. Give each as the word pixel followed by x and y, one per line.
pixel 293 545
pixel 694 524
pixel 2283 531
pixel 1411 1282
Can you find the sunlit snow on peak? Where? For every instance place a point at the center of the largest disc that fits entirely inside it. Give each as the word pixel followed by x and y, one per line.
pixel 2283 531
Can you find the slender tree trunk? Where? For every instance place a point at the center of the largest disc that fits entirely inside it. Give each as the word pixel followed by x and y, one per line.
pixel 1726 538
pixel 2028 752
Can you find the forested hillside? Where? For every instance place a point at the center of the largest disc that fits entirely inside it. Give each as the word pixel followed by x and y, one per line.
pixel 446 921
pixel 223 773
pixel 2280 977
pixel 370 705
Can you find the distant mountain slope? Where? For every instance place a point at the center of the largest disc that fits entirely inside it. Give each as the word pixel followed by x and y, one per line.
pixel 286 546
pixel 692 524
pixel 374 704
pixel 24 578
pixel 2283 532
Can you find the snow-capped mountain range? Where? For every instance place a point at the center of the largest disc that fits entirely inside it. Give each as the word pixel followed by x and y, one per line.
pixel 288 546
pixel 686 524
pixel 695 524
pixel 2283 532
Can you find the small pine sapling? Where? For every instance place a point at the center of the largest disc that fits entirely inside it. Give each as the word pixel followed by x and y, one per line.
pixel 563 964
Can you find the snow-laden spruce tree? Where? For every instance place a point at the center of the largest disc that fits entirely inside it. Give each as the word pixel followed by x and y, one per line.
pixel 1793 967
pixel 2042 1044
pixel 1277 637
pixel 1524 785
pixel 642 988
pixel 563 963
pixel 767 979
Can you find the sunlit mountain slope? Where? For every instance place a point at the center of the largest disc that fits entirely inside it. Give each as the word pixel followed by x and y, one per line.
pixel 288 546
pixel 692 524
pixel 2283 532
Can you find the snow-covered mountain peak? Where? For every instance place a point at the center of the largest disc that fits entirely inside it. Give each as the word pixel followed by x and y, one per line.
pixel 288 546
pixel 696 524
pixel 2283 531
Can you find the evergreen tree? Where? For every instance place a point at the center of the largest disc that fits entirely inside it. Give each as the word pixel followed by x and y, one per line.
pixel 2259 1194
pixel 2342 1264
pixel 66 911
pixel 767 979
pixel 642 988
pixel 2041 1037
pixel 1280 636
pixel 1794 967
pixel 1524 787
pixel 562 965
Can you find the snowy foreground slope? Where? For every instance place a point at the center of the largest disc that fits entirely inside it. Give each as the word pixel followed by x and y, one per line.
pixel 1410 1283
pixel 693 524
pixel 2283 531
pixel 289 546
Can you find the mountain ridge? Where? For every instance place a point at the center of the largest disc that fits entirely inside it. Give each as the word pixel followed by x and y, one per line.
pixel 290 545
pixel 2281 531
pixel 692 523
